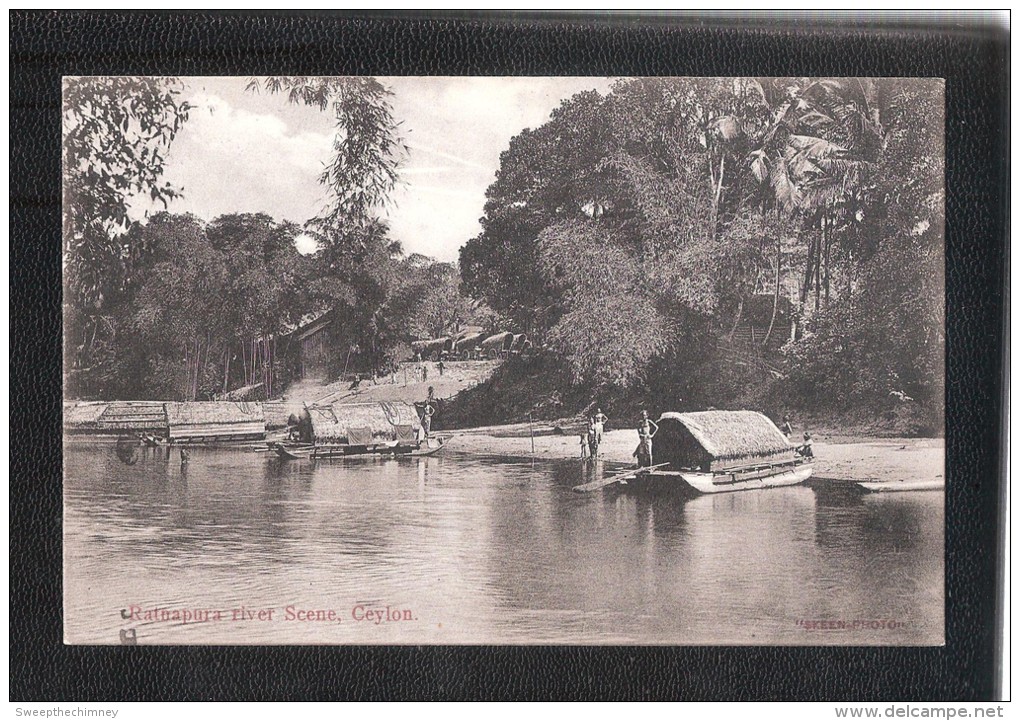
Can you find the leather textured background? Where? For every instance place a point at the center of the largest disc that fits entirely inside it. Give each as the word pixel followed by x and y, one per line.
pixel 47 45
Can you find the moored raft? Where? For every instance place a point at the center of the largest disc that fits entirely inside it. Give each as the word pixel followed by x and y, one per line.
pixel 215 422
pixel 358 429
pixel 720 451
pixel 113 418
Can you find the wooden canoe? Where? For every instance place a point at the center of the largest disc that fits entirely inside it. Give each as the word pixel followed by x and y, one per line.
pixel 298 452
pixel 745 480
pixel 901 486
pixel 293 452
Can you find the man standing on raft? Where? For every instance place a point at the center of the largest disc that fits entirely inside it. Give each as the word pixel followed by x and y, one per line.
pixel 646 431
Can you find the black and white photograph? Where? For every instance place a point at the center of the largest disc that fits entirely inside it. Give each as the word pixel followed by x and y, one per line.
pixel 492 360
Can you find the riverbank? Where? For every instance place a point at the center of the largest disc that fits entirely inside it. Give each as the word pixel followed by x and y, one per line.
pixel 839 458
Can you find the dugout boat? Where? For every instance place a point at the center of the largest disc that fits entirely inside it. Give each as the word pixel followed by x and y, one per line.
pixel 725 451
pixel 359 430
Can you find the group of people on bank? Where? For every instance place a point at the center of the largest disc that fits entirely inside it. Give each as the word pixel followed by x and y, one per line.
pixel 592 438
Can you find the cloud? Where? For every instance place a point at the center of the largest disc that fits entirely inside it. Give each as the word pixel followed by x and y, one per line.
pixel 241 152
pixel 448 156
pixel 425 170
pixel 232 160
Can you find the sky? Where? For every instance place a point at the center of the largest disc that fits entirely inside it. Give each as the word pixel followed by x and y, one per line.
pixel 244 152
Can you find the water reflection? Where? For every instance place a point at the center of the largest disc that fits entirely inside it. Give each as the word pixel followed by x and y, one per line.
pixel 483 551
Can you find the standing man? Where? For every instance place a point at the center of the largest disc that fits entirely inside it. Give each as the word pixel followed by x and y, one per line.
pixel 786 428
pixel 646 431
pixel 599 419
pixel 426 417
pixel 441 366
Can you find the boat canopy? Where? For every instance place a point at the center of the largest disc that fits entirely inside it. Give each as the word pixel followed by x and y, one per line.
pixel 360 423
pixel 719 440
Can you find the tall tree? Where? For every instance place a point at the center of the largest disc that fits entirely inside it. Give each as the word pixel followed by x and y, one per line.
pixel 548 175
pixel 366 148
pixel 611 327
pixel 116 133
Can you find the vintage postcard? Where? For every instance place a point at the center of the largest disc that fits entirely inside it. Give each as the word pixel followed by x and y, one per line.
pixel 504 360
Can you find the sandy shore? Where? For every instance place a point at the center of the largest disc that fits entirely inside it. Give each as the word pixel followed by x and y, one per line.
pixel 887 459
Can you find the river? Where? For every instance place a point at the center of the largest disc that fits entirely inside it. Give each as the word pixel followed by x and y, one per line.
pixel 460 549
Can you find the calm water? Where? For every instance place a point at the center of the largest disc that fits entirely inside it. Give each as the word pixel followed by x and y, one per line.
pixel 472 550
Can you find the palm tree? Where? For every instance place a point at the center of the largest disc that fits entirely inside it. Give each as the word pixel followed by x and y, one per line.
pixel 808 160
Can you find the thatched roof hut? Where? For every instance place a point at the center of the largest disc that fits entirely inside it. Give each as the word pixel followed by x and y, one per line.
pixel 719 440
pixel 83 417
pixel 115 417
pixel 278 413
pixel 136 416
pixel 215 421
pixel 361 423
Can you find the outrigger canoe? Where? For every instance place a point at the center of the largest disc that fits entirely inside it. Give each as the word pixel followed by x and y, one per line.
pixel 745 479
pixel 298 451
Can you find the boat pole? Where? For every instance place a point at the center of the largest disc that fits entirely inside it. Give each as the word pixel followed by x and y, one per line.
pixel 531 429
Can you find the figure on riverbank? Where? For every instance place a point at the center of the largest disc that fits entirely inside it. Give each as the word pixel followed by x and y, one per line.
pixel 585 450
pixel 426 417
pixel 806 449
pixel 593 438
pixel 647 429
pixel 599 419
pixel 786 428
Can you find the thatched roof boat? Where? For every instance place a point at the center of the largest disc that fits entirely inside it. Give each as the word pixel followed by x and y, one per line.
pixel 361 424
pixel 201 421
pixel 83 417
pixel 115 417
pixel 726 451
pixel 278 413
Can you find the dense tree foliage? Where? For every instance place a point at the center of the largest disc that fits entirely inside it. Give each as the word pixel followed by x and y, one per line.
pixel 633 227
pixel 240 274
pixel 117 131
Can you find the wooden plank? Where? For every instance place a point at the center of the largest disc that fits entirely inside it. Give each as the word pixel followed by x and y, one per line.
pixel 618 478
